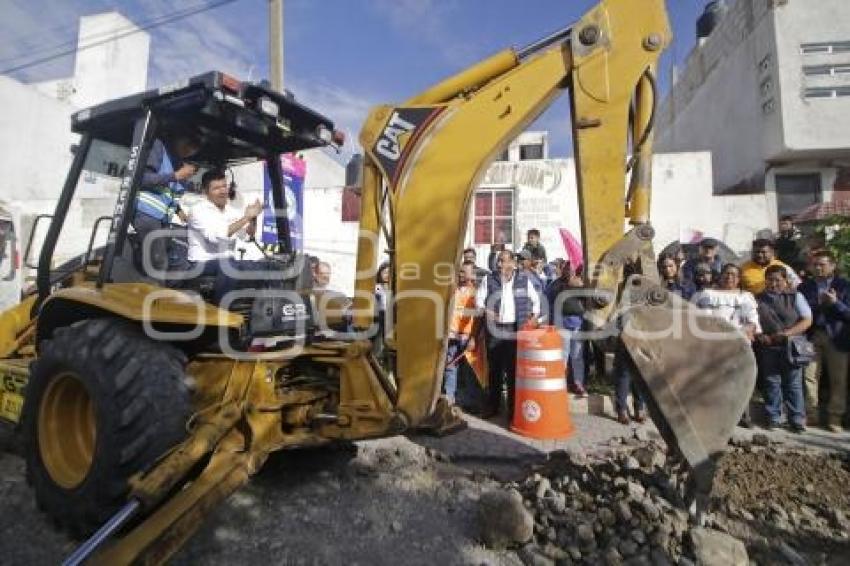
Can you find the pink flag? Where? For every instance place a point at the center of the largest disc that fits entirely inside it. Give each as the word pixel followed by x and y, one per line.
pixel 573 248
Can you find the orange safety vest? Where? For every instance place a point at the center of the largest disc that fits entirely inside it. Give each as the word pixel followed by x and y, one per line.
pixel 464 312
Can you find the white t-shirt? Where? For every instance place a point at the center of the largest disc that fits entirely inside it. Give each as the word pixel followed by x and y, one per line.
pixel 208 226
pixel 506 314
pixel 737 307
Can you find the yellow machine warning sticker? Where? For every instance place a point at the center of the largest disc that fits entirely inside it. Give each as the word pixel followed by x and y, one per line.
pixel 11 405
pixel 13 379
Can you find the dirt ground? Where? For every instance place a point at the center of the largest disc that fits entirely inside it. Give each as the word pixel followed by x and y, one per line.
pixel 402 500
pixel 769 497
pixel 380 502
pixel 765 478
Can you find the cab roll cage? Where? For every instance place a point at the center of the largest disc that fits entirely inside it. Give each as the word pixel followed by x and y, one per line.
pixel 145 130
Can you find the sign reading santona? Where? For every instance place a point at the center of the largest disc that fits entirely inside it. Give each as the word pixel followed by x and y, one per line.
pixel 541 175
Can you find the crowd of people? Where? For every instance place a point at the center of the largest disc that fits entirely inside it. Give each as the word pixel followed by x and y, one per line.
pixel 788 301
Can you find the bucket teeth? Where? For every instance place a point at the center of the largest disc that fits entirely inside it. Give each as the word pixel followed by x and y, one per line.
pixel 446 419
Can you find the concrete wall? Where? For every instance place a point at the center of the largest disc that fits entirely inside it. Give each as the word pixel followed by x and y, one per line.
pixel 819 125
pixel 35 155
pixel 684 207
pixel 717 104
pixel 110 62
pixel 528 138
pixel 35 141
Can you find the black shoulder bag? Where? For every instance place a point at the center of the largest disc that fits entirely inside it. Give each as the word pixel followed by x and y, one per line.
pixel 800 351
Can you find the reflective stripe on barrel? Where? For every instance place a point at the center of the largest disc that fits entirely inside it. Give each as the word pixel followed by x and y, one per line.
pixel 541 355
pixel 549 384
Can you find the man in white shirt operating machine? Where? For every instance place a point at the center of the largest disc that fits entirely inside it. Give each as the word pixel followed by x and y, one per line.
pixel 214 226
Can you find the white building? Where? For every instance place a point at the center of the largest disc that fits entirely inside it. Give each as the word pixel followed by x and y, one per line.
pixel 35 136
pixel 35 151
pixel 767 92
pixel 519 193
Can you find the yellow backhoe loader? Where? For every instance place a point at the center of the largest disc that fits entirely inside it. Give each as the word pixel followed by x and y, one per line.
pixel 142 406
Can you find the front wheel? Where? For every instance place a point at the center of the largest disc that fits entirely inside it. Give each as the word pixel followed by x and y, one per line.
pixel 103 402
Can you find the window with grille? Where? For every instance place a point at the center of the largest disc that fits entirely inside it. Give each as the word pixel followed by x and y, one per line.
pixel 494 216
pixel 827 92
pixel 797 191
pixel 531 151
pixel 825 47
pixel 826 70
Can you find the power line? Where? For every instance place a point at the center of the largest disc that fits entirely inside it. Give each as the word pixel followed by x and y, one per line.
pixel 157 22
pixel 82 40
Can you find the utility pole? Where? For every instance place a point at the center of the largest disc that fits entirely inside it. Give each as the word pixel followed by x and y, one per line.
pixel 276 44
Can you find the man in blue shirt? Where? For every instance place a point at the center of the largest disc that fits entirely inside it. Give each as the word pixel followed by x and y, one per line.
pixel 828 295
pixel 163 183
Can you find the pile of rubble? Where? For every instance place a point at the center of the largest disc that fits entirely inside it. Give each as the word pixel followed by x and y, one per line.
pixel 628 508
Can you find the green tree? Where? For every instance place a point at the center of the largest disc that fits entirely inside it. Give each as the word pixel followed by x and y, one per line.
pixel 836 233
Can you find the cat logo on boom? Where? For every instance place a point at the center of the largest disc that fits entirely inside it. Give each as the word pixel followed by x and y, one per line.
pixel 388 144
pixel 400 134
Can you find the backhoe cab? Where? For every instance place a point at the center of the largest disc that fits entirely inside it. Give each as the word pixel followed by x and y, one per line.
pixel 232 123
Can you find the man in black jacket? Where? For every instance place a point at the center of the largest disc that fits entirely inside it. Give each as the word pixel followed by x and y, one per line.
pixel 829 297
pixel 508 300
pixel 789 244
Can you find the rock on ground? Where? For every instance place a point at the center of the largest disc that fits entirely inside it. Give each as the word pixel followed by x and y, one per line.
pixel 713 548
pixel 503 519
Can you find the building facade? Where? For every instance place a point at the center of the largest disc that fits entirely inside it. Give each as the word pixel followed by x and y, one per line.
pixel 767 92
pixel 36 141
pixel 518 194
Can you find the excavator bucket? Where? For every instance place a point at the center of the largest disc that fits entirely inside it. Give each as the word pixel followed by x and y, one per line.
pixel 699 372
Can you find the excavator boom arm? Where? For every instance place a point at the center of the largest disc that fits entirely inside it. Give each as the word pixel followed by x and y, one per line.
pixel 425 158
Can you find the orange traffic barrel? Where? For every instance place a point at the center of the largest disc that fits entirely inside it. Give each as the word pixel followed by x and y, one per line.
pixel 542 406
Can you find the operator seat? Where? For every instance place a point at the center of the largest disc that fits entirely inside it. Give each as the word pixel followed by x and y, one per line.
pixel 128 268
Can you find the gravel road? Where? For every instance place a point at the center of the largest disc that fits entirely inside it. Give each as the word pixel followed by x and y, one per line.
pixel 414 500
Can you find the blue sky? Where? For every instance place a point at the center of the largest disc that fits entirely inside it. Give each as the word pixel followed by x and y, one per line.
pixel 342 56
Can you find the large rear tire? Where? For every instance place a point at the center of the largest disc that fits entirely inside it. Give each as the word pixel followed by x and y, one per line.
pixel 103 402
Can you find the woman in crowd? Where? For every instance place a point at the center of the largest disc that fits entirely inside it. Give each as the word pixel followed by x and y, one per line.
pixel 729 302
pixel 783 313
pixel 668 268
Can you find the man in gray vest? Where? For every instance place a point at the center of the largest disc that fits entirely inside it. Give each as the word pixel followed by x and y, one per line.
pixel 508 300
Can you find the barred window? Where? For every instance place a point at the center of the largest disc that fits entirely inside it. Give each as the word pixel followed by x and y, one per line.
pixel 494 216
